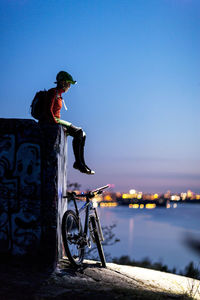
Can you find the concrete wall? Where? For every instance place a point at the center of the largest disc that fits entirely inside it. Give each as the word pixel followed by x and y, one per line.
pixel 33 178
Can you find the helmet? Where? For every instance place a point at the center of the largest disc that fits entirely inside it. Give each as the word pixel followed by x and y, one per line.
pixel 64 76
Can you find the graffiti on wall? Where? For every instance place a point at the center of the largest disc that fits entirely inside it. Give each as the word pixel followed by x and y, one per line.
pixel 20 195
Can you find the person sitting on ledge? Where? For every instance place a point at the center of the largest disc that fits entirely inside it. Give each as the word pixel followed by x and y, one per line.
pixel 52 114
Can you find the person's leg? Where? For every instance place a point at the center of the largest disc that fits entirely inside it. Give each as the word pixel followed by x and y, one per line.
pixel 82 146
pixel 78 135
pixel 78 143
pixel 78 147
pixel 62 122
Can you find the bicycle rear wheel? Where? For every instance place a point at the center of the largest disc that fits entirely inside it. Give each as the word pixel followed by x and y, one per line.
pixel 95 234
pixel 72 236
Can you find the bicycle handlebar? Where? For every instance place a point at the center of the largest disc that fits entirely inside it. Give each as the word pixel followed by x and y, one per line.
pixel 101 188
pixel 90 194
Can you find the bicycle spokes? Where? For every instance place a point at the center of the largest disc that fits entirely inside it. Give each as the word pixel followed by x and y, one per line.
pixel 72 237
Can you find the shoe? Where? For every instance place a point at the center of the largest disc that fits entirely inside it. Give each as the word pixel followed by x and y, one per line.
pixel 83 168
pixel 91 171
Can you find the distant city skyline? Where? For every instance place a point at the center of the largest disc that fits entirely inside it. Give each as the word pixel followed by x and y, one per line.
pixel 137 68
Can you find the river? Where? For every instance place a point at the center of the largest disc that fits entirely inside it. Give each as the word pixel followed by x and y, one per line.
pixel 158 233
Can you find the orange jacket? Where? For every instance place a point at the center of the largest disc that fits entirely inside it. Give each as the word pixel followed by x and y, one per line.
pixel 54 104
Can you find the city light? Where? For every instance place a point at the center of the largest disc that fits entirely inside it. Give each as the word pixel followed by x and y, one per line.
pixel 189 194
pixel 128 196
pixel 108 198
pixel 132 192
pixel 175 198
pixel 134 205
pixel 150 205
pixel 183 196
pixel 140 200
pixel 139 195
pixel 109 204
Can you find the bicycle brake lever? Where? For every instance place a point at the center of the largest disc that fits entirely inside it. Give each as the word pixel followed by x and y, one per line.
pixel 99 192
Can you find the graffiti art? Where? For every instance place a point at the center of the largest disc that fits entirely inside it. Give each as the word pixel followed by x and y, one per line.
pixel 20 196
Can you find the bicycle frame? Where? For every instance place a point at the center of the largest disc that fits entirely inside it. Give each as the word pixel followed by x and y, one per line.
pixel 87 206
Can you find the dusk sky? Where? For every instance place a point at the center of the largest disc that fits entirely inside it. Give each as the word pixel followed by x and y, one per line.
pixel 137 64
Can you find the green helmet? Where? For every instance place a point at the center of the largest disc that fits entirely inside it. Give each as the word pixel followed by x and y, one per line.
pixel 64 76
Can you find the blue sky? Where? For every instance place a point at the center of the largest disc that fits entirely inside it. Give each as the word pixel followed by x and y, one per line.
pixel 137 66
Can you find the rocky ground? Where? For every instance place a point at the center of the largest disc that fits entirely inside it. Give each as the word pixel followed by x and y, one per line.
pixel 93 282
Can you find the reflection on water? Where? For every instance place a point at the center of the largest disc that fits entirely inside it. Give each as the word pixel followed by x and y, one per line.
pixel 141 206
pixel 155 233
pixel 131 231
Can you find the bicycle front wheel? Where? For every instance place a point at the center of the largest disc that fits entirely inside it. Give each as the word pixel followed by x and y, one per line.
pixel 97 241
pixel 72 237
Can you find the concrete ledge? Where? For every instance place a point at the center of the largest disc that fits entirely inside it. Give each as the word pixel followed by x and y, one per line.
pixel 33 178
pixel 160 281
pixel 93 282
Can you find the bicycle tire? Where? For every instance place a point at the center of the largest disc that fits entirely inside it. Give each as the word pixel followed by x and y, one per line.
pixel 97 241
pixel 71 234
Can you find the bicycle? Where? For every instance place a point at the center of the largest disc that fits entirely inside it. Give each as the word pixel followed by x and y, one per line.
pixel 75 239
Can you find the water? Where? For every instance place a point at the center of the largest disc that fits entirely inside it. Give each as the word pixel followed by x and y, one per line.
pixel 158 233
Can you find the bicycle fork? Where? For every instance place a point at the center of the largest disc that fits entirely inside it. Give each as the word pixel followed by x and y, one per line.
pixel 99 226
